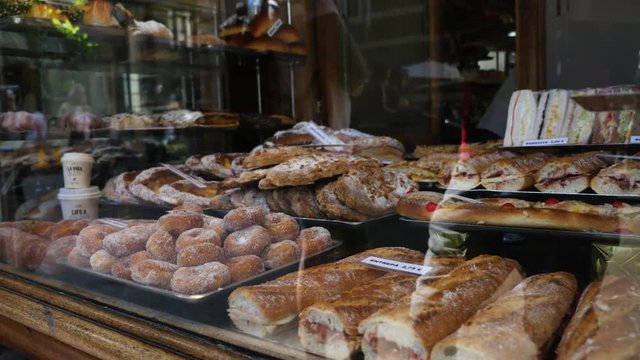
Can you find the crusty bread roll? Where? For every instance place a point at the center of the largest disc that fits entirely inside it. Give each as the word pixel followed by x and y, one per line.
pixel 330 329
pixel 260 24
pixel 264 309
pixel 411 326
pixel 518 325
pixel 287 34
pixel 605 324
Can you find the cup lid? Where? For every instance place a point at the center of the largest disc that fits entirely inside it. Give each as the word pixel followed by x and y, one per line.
pixel 76 156
pixel 73 194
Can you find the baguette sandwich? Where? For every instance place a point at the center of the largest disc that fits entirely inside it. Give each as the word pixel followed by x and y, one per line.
pixel 622 178
pixel 571 174
pixel 519 325
pixel 466 174
pixel 513 174
pixel 267 308
pixel 411 326
pixel 330 329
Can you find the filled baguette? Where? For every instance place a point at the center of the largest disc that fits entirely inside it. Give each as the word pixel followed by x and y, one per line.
pixel 510 214
pixel 330 329
pixel 513 174
pixel 606 324
pixel 466 174
pixel 571 174
pixel 411 326
pixel 518 325
pixel 622 178
pixel 267 308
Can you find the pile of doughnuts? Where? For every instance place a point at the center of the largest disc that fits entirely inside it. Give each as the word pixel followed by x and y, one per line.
pixel 183 251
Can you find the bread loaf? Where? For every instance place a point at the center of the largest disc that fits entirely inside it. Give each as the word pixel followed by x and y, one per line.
pixel 606 324
pixel 411 326
pixel 274 305
pixel 518 325
pixel 330 329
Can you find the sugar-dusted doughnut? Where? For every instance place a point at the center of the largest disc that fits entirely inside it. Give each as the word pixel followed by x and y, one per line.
pixel 128 241
pixel 199 254
pixel 177 223
pixel 198 236
pixel 216 224
pixel 249 241
pixel 244 267
pixel 161 246
pixel 241 218
pixel 102 261
pixel 90 238
pixel 313 240
pixel 200 279
pixel 280 254
pixel 281 227
pixel 57 252
pixel 122 267
pixel 153 272
pixel 76 259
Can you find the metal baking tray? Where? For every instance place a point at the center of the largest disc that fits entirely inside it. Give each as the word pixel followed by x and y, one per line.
pixel 588 197
pixel 610 238
pixel 150 290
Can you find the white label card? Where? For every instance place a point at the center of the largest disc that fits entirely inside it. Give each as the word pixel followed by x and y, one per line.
pixel 322 137
pixel 546 142
pixel 635 139
pixel 398 266
pixel 274 28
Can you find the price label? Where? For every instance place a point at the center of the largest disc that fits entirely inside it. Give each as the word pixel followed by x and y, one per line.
pixel 635 139
pixel 322 137
pixel 274 28
pixel 546 142
pixel 398 266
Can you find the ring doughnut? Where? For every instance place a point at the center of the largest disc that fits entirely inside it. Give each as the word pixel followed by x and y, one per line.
pixel 200 279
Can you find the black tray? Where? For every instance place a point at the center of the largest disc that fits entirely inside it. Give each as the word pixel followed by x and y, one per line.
pixel 609 238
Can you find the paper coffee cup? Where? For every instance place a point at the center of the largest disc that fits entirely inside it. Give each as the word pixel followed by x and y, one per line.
pixel 79 203
pixel 76 168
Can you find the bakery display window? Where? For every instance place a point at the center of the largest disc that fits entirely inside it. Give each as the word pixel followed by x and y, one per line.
pixel 296 179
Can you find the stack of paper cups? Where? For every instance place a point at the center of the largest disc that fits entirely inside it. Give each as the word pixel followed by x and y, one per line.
pixel 78 199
